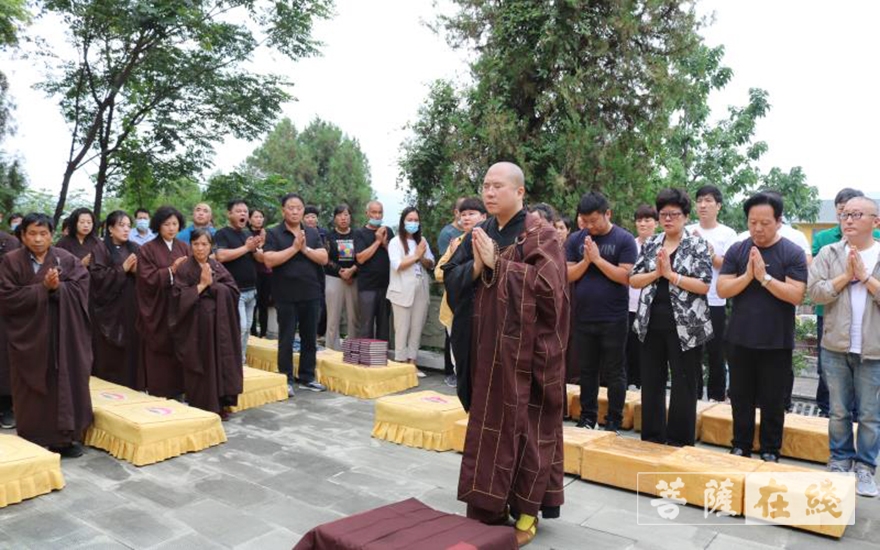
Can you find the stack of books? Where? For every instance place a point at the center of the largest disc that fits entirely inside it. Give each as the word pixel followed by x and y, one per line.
pixel 365 352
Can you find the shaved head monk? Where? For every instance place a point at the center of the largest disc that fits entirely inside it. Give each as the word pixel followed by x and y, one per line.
pixel 506 284
pixel 44 296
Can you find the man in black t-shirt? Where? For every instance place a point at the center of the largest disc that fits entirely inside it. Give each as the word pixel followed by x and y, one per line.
pixel 239 251
pixel 296 256
pixel 766 275
pixel 600 258
pixel 374 268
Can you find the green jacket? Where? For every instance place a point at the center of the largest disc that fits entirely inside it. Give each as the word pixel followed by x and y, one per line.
pixel 823 239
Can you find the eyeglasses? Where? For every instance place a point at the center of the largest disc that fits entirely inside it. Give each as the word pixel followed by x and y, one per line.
pixel 671 215
pixel 856 216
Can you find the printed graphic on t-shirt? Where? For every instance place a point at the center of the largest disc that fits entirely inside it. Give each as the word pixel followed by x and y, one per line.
pixel 346 249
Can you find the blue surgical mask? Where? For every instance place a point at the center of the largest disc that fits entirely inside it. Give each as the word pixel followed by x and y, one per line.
pixel 374 222
pixel 13 227
pixel 411 227
pixel 142 224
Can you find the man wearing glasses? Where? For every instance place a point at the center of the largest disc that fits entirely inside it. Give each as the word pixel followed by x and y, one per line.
pixel 820 241
pixel 845 278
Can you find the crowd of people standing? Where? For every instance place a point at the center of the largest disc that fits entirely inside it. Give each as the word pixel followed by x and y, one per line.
pixel 168 308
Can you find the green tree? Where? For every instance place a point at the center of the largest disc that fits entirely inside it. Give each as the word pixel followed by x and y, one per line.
pixel 264 194
pixel 322 163
pixel 13 15
pixel 602 95
pixel 160 81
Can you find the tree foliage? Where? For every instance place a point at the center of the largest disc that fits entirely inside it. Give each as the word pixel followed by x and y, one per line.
pixel 323 164
pixel 602 95
pixel 157 82
pixel 261 193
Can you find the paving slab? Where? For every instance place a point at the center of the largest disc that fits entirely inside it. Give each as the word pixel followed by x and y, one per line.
pixel 292 465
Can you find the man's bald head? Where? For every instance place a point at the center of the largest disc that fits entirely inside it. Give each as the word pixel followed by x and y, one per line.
pixel 510 172
pixel 503 190
pixel 863 204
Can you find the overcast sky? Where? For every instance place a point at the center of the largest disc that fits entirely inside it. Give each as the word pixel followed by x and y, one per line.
pixel 817 62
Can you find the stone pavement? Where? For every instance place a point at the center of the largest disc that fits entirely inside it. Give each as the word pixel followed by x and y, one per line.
pixel 292 465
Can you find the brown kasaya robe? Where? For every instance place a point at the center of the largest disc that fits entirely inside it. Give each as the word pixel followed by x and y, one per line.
pixel 207 335
pixel 510 332
pixel 80 250
pixel 162 371
pixel 50 355
pixel 8 243
pixel 114 302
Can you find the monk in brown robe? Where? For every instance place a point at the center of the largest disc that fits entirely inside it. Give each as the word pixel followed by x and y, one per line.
pixel 44 295
pixel 507 286
pixel 80 239
pixel 113 276
pixel 205 327
pixel 8 243
pixel 157 266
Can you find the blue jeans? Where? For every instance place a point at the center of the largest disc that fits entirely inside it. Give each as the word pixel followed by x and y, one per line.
pixel 247 301
pixel 853 383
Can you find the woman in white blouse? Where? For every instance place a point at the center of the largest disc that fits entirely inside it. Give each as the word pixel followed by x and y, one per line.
pixel 411 261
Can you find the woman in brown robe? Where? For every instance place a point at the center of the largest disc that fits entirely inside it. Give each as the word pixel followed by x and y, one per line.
pixel 113 277
pixel 44 293
pixel 80 239
pixel 8 243
pixel 205 327
pixel 156 270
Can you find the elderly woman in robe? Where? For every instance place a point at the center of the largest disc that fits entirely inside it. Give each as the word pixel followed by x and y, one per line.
pixel 205 326
pixel 113 298
pixel 157 267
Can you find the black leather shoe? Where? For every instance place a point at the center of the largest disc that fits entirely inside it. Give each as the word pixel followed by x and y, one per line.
pixel 612 427
pixel 74 450
pixel 769 457
pixel 584 423
pixel 736 451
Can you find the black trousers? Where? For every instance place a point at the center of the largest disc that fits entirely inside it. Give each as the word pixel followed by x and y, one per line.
pixel 601 348
pixel 302 315
pixel 264 299
pixel 661 354
pixel 374 314
pixel 758 378
pixel 633 353
pixel 717 385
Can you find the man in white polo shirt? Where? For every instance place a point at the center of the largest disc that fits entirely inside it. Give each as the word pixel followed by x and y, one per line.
pixel 719 237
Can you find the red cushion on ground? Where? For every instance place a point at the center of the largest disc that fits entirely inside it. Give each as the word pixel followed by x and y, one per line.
pixel 407 524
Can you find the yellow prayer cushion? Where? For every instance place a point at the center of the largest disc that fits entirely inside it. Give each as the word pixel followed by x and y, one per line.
pixel 361 381
pixel 26 470
pixel 716 426
pixel 422 419
pixel 100 384
pixel 459 432
pixel 261 387
pixel 798 486
pixel 574 440
pixel 574 405
pixel 119 395
pixel 144 433
pixel 618 461
pixel 806 438
pixel 704 466
pixel 262 354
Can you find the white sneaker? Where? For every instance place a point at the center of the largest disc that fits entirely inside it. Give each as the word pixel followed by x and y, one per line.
pixel 866 485
pixel 420 373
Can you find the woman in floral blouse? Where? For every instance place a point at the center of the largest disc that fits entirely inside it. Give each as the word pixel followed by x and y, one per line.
pixel 673 271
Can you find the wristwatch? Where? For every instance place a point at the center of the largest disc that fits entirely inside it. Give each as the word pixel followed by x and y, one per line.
pixel 766 280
